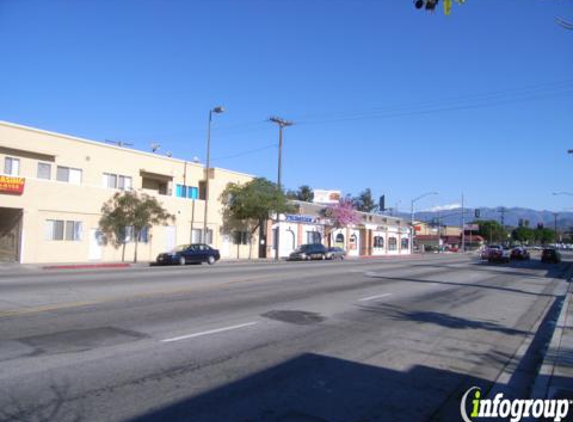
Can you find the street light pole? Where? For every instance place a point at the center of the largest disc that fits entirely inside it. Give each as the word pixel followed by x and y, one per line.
pixel 282 123
pixel 412 215
pixel 417 199
pixel 555 214
pixel 217 110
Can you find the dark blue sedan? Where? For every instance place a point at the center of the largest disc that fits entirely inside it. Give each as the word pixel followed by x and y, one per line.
pixel 196 253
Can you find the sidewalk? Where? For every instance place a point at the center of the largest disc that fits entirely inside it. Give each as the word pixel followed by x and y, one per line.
pixel 16 268
pixel 555 378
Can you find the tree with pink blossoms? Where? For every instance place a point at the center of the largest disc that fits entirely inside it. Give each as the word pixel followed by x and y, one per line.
pixel 342 214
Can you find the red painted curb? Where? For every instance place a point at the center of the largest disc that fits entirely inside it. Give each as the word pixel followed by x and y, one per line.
pixel 409 256
pixel 85 266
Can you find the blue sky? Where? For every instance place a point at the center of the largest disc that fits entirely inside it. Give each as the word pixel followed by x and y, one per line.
pixel 383 95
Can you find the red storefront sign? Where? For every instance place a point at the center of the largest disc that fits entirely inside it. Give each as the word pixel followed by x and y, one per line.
pixel 13 185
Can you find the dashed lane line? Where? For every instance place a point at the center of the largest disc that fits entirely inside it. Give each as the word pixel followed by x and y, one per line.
pixel 204 333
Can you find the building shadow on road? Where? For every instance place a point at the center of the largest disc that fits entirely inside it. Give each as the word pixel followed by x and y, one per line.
pixel 453 283
pixel 317 388
pixel 559 271
pixel 438 318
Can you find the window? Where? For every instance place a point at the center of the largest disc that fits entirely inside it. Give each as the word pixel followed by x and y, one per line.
pixel 313 237
pixel 129 234
pixel 144 235
pixel 392 244
pixel 124 183
pixel 197 236
pixel 44 171
pixel 339 240
pixel 353 240
pixel 63 230
pixel 202 190
pixel 378 242
pixel 209 237
pixel 11 166
pixel 109 180
pixel 70 175
pixel 183 191
pixel 115 181
pixel 405 243
pixel 240 238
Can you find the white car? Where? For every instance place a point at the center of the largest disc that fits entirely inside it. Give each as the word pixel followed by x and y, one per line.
pixel 497 253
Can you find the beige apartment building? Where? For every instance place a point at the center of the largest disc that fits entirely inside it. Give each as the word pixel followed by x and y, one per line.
pixel 52 188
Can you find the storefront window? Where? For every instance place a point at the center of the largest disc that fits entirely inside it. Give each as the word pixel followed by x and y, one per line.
pixel 378 242
pixel 313 237
pixel 392 244
pixel 339 240
pixel 405 243
pixel 353 239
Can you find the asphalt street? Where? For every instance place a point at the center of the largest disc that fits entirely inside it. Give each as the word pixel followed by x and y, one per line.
pixel 352 341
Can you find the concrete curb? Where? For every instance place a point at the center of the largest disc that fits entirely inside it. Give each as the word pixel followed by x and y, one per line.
pixel 542 385
pixel 87 266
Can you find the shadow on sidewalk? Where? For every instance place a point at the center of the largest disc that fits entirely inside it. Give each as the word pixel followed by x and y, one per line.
pixel 316 388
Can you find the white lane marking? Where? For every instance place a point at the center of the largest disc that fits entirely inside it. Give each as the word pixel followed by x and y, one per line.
pixel 204 333
pixel 365 299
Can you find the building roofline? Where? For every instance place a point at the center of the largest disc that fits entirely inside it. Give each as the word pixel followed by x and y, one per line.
pixel 114 147
pixel 400 219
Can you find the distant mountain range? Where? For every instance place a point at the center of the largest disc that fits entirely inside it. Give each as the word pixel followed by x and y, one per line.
pixel 452 217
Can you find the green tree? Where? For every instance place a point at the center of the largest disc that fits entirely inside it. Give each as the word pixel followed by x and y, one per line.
pixel 544 235
pixel 303 193
pixel 364 201
pixel 130 209
pixel 491 230
pixel 523 234
pixel 248 206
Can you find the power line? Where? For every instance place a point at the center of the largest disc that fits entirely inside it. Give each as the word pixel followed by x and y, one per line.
pixel 373 116
pixel 525 90
pixel 248 152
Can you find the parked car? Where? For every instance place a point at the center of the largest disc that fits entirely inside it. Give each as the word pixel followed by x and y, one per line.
pixel 189 254
pixel 335 253
pixel 308 251
pixel 496 253
pixel 520 254
pixel 550 255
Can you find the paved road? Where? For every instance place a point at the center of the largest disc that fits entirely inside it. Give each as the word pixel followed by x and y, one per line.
pixel 397 340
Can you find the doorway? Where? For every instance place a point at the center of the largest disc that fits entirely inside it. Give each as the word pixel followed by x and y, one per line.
pixel 170 238
pixel 95 245
pixel 10 233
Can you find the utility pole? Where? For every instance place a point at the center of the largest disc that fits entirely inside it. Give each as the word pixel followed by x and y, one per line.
pixel 502 211
pixel 555 214
pixel 282 123
pixel 439 239
pixel 463 228
pixel 217 110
